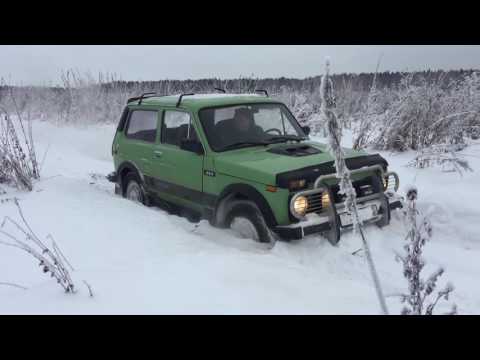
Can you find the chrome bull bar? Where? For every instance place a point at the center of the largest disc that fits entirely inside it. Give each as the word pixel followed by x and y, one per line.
pixel 334 217
pixel 378 168
pixel 321 186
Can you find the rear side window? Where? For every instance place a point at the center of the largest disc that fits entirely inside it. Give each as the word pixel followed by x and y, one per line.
pixel 176 126
pixel 123 119
pixel 142 125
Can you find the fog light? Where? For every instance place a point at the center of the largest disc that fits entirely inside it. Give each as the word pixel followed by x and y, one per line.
pixel 300 205
pixel 325 200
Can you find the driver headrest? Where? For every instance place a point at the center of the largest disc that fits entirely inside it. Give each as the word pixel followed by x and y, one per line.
pixel 243 112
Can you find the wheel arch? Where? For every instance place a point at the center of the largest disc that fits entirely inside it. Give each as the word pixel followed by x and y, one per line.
pixel 243 192
pixel 125 168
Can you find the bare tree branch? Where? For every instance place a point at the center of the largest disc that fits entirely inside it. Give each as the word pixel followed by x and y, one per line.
pixel 14 285
pixel 89 288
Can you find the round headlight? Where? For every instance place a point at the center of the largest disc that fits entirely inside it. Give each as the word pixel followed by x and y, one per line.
pixel 325 200
pixel 300 205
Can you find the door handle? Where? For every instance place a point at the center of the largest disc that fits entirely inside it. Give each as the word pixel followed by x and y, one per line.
pixel 158 153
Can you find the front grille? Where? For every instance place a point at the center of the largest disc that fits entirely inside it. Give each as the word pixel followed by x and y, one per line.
pixel 314 203
pixel 363 187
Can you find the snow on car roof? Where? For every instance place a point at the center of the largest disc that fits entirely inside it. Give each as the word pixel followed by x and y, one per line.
pixel 203 100
pixel 216 96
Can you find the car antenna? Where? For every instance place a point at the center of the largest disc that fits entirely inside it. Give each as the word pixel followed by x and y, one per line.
pixel 220 89
pixel 181 96
pixel 263 91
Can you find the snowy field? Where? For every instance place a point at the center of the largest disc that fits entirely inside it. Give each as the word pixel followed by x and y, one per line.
pixel 141 260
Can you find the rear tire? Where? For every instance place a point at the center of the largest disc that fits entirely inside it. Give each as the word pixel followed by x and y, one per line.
pixel 133 189
pixel 245 213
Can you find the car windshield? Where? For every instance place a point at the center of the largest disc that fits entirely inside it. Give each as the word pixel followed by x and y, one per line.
pixel 245 125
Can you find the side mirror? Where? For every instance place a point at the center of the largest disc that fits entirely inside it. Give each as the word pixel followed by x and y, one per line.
pixel 306 130
pixel 191 145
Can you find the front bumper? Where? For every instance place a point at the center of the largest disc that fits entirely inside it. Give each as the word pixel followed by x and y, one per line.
pixel 300 230
pixel 112 177
pixel 317 224
pixel 395 201
pixel 337 218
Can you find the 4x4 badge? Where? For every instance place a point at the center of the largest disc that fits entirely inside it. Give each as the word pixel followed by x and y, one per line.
pixel 209 173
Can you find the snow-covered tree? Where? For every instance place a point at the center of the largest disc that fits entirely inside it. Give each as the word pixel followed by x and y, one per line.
pixel 421 113
pixel 390 111
pixel 334 132
pixel 367 117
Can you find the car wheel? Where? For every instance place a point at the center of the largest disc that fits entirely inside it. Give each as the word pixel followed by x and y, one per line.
pixel 134 190
pixel 333 235
pixel 246 220
pixel 385 211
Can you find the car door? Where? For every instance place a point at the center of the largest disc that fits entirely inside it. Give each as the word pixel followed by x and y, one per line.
pixel 139 138
pixel 178 173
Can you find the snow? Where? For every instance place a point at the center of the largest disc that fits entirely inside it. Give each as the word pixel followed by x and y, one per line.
pixel 141 260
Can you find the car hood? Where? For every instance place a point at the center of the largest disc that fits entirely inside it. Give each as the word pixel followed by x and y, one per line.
pixel 263 164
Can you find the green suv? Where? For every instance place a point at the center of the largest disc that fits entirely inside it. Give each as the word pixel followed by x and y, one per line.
pixel 243 162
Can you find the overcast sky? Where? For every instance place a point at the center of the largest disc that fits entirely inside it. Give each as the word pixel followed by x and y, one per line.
pixel 42 64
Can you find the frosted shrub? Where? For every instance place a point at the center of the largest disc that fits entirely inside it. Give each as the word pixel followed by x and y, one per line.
pixel 444 155
pixel 50 258
pixel 421 298
pixel 18 167
pixel 421 113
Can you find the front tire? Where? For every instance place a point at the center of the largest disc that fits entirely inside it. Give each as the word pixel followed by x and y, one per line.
pixel 385 211
pixel 333 235
pixel 246 220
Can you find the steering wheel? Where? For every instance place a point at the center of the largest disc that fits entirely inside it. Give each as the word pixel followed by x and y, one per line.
pixel 274 129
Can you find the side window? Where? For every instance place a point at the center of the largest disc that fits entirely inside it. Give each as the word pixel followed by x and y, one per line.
pixel 142 125
pixel 177 126
pixel 123 119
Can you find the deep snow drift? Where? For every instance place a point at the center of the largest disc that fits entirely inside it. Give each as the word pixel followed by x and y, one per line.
pixel 142 260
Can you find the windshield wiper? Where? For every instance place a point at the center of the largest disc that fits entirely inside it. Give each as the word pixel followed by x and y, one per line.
pixel 281 138
pixel 244 144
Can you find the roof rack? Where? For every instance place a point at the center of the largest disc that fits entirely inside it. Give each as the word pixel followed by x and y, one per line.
pixel 263 91
pixel 220 89
pixel 141 97
pixel 180 98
